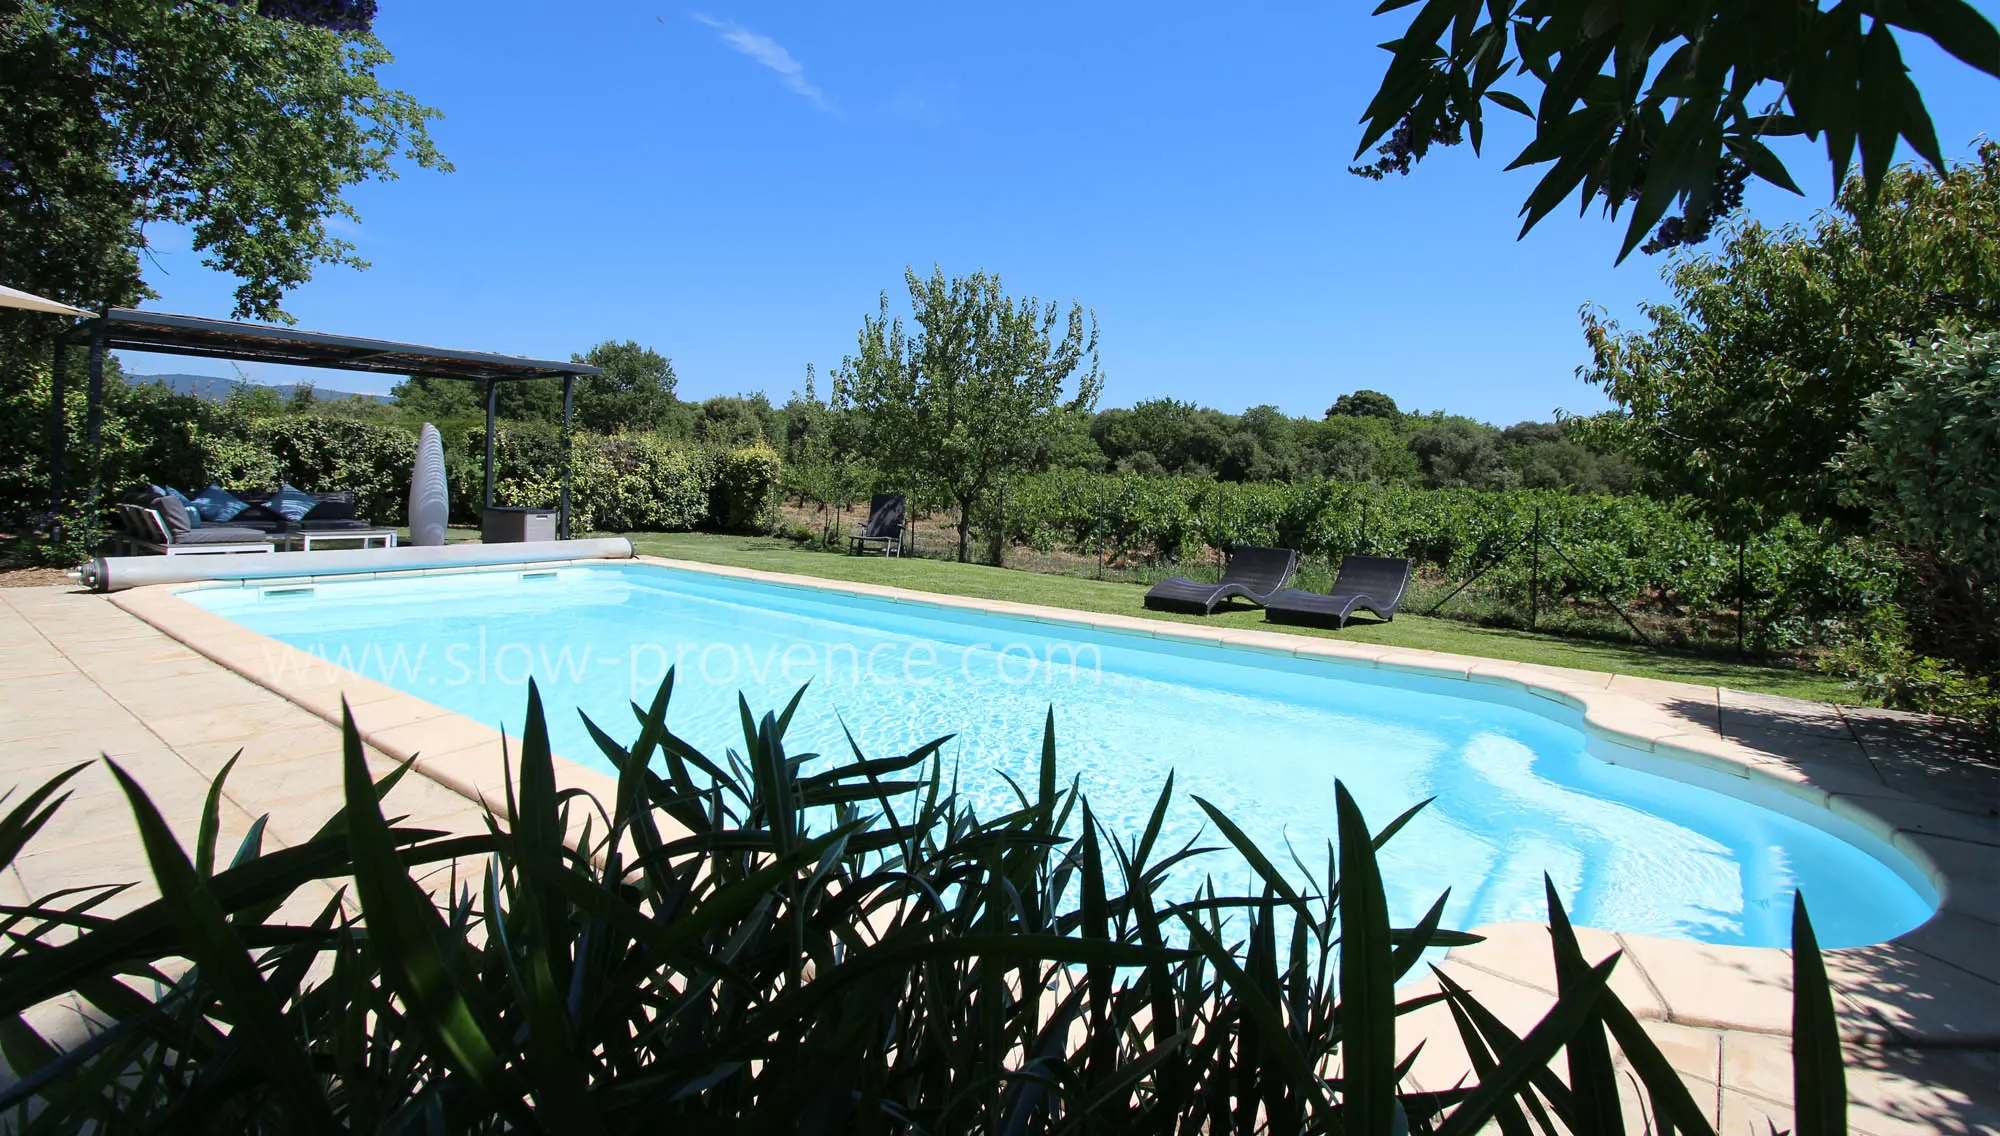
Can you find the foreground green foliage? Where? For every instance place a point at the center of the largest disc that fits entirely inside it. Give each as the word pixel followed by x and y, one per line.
pixel 1658 105
pixel 775 943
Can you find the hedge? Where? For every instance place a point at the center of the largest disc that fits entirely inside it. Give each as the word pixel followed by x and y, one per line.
pixel 627 482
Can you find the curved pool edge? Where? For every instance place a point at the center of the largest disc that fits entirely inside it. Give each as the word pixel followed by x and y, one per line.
pixel 1936 985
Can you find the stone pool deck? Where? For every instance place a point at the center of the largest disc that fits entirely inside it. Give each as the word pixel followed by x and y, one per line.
pixel 171 692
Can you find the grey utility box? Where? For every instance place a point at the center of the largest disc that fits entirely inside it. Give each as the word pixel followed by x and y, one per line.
pixel 512 526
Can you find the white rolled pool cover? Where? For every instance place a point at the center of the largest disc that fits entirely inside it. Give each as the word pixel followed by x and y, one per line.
pixel 116 573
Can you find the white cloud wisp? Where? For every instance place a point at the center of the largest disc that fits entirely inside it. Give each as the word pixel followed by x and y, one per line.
pixel 768 52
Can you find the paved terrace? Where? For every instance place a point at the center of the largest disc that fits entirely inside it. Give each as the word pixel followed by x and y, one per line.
pixel 84 675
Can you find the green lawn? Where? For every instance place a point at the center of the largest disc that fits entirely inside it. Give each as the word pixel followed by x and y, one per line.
pixel 776 555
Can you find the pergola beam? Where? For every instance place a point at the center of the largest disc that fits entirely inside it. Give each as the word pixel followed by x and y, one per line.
pixel 197 337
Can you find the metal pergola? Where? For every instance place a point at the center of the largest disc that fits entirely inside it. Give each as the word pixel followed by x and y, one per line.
pixel 166 334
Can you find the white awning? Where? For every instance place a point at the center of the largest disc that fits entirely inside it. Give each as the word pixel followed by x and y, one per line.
pixel 15 298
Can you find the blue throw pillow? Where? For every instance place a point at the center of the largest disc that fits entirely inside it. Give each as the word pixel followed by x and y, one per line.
pixel 291 503
pixel 218 506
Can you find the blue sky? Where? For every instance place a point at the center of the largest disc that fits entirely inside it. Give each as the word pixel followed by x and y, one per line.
pixel 734 185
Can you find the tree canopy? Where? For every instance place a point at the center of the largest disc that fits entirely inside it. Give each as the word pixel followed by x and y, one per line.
pixel 247 124
pixel 976 393
pixel 1928 446
pixel 635 392
pixel 1748 387
pixel 1665 103
pixel 1364 404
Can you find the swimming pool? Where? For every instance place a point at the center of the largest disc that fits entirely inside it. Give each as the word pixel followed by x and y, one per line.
pixel 1519 786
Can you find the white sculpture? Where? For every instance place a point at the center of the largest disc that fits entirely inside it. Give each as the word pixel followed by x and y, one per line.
pixel 430 505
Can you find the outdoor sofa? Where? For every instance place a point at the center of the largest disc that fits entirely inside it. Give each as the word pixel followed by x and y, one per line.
pixel 1253 573
pixel 1374 584
pixel 163 523
pixel 154 518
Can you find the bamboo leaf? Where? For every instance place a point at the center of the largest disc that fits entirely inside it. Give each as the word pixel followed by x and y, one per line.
pixel 1819 1075
pixel 1367 1010
pixel 406 936
pixel 225 963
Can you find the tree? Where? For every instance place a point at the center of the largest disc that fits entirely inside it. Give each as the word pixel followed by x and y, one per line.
pixel 438 400
pixel 974 395
pixel 1749 386
pixel 738 420
pixel 1543 455
pixel 1359 449
pixel 1459 453
pixel 634 392
pixel 246 124
pixel 1923 462
pixel 1668 103
pixel 1365 404
pixel 254 400
pixel 1927 446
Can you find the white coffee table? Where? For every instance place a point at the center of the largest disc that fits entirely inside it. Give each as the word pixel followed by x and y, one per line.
pixel 304 541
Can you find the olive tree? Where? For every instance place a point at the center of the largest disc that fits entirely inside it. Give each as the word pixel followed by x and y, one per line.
pixel 976 393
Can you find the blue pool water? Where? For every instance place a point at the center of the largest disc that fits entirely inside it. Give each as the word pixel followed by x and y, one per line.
pixel 1519 787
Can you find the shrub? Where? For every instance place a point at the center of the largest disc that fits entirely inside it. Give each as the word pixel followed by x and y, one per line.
pixel 748 945
pixel 1931 436
pixel 651 485
pixel 746 487
pixel 1884 667
pixel 621 483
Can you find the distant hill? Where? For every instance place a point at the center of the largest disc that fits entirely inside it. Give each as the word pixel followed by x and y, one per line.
pixel 212 388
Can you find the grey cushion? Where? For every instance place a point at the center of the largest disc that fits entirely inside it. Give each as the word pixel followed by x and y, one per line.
pixel 332 507
pixel 223 534
pixel 174 514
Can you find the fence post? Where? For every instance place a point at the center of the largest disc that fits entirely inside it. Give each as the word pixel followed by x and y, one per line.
pixel 1742 595
pixel 1535 570
pixel 1000 529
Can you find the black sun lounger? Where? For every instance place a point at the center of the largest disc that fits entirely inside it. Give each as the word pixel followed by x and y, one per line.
pixel 885 525
pixel 1366 583
pixel 1254 574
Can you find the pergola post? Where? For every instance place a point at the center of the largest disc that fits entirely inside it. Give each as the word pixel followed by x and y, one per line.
pixel 562 508
pixel 93 429
pixel 58 427
pixel 492 412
